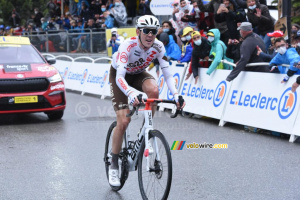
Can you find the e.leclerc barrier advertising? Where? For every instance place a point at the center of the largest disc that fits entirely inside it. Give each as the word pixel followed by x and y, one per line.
pixel 260 100
pixel 208 96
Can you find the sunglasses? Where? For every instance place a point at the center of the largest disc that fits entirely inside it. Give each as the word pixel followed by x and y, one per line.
pixel 148 30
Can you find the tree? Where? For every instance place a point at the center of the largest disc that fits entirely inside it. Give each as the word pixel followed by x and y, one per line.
pixel 295 12
pixel 23 7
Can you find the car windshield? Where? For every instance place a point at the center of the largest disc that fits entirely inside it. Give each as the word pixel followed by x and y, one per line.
pixel 17 54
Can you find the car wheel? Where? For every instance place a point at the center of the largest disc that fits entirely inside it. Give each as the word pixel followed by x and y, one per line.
pixel 55 115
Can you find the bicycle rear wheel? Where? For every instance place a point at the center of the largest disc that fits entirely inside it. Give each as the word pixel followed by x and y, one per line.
pixel 123 169
pixel 156 183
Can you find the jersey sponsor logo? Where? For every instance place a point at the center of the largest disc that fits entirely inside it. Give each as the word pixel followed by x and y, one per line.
pixel 124 57
pixel 285 105
pixel 131 46
pixel 133 38
pixel 118 55
pixel 123 85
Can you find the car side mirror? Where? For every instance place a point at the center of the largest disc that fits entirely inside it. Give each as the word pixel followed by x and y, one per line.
pixel 50 60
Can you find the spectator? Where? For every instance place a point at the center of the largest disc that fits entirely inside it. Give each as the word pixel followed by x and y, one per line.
pixel 213 7
pixel 109 4
pixel 260 18
pixel 229 13
pixel 201 51
pixel 172 49
pixel 243 3
pixel 98 21
pixel 95 7
pixel 1 30
pixel 119 13
pixel 113 41
pixel 187 48
pixel 103 8
pixel 167 28
pixel 74 38
pixel 295 29
pixel 37 17
pixel 85 13
pixel 144 8
pixel 44 23
pixel 267 57
pixel 248 52
pixel 8 31
pixel 178 13
pixel 217 52
pixel 73 7
pixel 285 55
pixel 31 19
pixel 80 4
pixel 204 20
pixel 233 47
pixel 51 8
pixel 109 21
pixel 187 33
pixel 297 43
pixel 131 6
pixel 14 20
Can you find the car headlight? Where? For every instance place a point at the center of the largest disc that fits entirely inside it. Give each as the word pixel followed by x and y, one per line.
pixel 55 78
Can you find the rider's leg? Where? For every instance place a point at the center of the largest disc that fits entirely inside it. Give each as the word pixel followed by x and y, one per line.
pixel 151 89
pixel 122 123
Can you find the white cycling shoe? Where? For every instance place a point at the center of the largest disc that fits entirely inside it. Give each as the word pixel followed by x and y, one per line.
pixel 113 177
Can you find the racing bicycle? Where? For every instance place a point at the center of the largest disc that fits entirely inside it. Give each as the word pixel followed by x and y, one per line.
pixel 150 154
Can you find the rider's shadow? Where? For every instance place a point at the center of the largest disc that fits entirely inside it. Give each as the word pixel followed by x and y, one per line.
pixel 112 195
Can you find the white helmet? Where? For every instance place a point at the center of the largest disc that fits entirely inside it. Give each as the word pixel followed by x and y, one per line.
pixel 147 21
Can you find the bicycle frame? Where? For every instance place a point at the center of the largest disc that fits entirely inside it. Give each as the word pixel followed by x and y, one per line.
pixel 143 137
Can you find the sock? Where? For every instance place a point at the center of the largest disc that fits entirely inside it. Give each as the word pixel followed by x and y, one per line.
pixel 114 161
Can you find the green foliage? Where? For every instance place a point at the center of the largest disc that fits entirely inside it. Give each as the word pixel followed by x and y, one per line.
pixel 23 7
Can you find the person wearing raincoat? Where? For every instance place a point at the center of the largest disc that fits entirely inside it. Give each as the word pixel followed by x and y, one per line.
pixel 217 52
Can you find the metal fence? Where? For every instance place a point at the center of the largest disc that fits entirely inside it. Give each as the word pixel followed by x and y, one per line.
pixel 87 41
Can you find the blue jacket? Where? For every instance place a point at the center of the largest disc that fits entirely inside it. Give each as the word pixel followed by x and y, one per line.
pixel 188 54
pixel 109 22
pixel 172 49
pixel 289 57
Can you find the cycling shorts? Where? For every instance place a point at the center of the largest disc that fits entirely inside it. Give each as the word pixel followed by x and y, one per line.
pixel 118 98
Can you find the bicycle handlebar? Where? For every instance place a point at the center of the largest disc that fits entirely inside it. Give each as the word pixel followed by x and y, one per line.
pixel 135 109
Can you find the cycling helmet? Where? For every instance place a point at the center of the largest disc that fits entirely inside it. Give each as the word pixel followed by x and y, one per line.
pixel 1 26
pixel 7 28
pixel 147 21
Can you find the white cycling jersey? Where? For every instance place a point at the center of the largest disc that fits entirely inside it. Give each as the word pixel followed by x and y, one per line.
pixel 131 59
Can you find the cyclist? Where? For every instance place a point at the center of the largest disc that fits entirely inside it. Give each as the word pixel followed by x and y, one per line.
pixel 128 73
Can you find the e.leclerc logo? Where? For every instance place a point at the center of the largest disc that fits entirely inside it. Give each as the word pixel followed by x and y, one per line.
pixel 177 81
pixel 219 94
pixel 285 105
pixel 161 83
pixel 78 76
pixel 104 79
pixel 215 95
pixel 84 76
pixel 65 72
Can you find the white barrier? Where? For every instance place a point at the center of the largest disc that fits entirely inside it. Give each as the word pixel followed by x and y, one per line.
pixel 208 96
pixel 253 99
pixel 260 100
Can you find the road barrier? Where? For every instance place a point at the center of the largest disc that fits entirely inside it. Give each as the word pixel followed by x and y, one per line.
pixel 252 99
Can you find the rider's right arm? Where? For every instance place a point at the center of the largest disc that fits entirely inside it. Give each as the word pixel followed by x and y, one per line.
pixel 121 61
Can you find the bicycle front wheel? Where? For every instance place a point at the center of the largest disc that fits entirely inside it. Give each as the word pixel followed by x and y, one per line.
pixel 155 183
